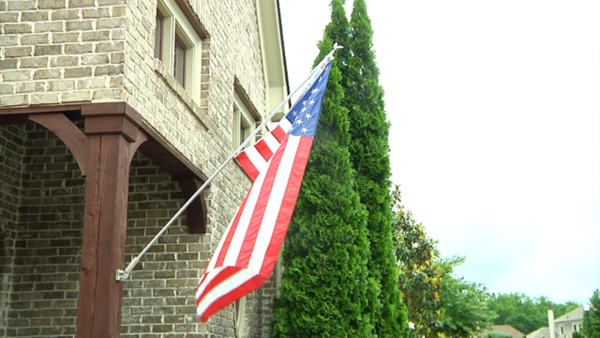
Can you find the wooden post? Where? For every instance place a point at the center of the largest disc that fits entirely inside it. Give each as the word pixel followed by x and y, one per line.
pixel 113 139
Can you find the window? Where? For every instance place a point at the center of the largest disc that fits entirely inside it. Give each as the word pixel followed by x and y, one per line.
pixel 178 46
pixel 243 122
pixel 562 330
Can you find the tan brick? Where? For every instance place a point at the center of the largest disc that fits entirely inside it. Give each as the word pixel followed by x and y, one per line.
pixel 117 34
pixel 95 36
pixel 118 11
pixel 79 25
pixel 77 96
pixel 13 100
pixel 94 59
pixel 34 16
pixel 65 37
pixel 35 39
pixel 9 40
pixel 117 57
pixel 16 75
pixel 34 62
pixel 21 5
pixel 51 4
pixel 110 23
pixel 8 64
pixel 81 3
pixel 29 87
pixel 79 48
pixel 18 28
pixel 61 85
pixel 109 70
pixel 45 98
pixel 111 2
pixel 65 14
pixel 49 27
pixel 62 61
pixel 107 94
pixel 7 88
pixel 9 17
pixel 111 46
pixel 17 51
pixel 95 13
pixel 91 83
pixel 78 72
pixel 48 50
pixel 41 74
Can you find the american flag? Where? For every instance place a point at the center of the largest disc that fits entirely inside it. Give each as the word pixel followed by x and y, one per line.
pixel 249 247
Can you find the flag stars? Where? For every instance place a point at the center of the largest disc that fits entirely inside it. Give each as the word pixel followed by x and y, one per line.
pixel 314 91
pixel 312 102
pixel 303 110
pixel 299 121
pixel 305 130
pixel 307 116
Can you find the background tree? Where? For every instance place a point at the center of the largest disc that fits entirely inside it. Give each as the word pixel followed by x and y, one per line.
pixel 464 304
pixel 524 313
pixel 369 153
pixel 592 319
pixel 325 284
pixel 420 277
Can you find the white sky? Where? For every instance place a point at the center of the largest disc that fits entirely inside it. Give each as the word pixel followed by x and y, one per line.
pixel 495 133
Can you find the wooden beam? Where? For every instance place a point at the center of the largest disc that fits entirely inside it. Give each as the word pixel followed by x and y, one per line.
pixel 74 138
pixel 104 231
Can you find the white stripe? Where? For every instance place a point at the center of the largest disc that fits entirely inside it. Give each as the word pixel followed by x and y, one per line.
pixel 226 286
pixel 256 158
pixel 274 204
pixel 242 227
pixel 209 277
pixel 285 124
pixel 271 142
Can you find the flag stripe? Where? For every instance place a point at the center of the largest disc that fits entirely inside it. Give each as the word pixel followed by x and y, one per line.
pixel 274 205
pixel 288 206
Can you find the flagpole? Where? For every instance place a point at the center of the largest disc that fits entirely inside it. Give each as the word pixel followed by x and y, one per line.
pixel 124 274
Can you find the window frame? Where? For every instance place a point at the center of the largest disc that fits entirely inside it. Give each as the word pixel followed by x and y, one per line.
pixel 178 29
pixel 241 117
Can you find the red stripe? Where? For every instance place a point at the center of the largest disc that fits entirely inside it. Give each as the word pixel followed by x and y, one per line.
pixel 227 242
pixel 287 206
pixel 247 165
pixel 263 149
pixel 222 276
pixel 260 207
pixel 228 298
pixel 279 134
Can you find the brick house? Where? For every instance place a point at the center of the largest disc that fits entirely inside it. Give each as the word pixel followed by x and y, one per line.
pixel 112 113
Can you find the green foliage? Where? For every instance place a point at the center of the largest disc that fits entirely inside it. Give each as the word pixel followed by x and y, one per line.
pixel 497 335
pixel 420 277
pixel 369 153
pixel 578 335
pixel 592 320
pixel 325 285
pixel 524 313
pixel 464 303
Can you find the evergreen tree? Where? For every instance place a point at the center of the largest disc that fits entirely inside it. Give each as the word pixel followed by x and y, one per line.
pixel 325 286
pixel 369 151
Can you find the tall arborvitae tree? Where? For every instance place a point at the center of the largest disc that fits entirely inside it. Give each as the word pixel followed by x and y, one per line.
pixel 369 151
pixel 325 286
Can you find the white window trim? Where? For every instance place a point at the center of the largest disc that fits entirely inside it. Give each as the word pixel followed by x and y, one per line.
pixel 242 114
pixel 175 22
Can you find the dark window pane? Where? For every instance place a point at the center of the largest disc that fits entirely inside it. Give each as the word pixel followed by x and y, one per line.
pixel 179 63
pixel 158 36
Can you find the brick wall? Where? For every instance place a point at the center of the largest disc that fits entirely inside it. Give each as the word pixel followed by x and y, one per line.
pixel 41 200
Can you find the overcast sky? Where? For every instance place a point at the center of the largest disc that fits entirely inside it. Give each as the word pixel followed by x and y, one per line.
pixel 495 136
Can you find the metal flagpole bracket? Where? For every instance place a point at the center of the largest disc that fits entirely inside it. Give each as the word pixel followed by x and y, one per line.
pixel 122 275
